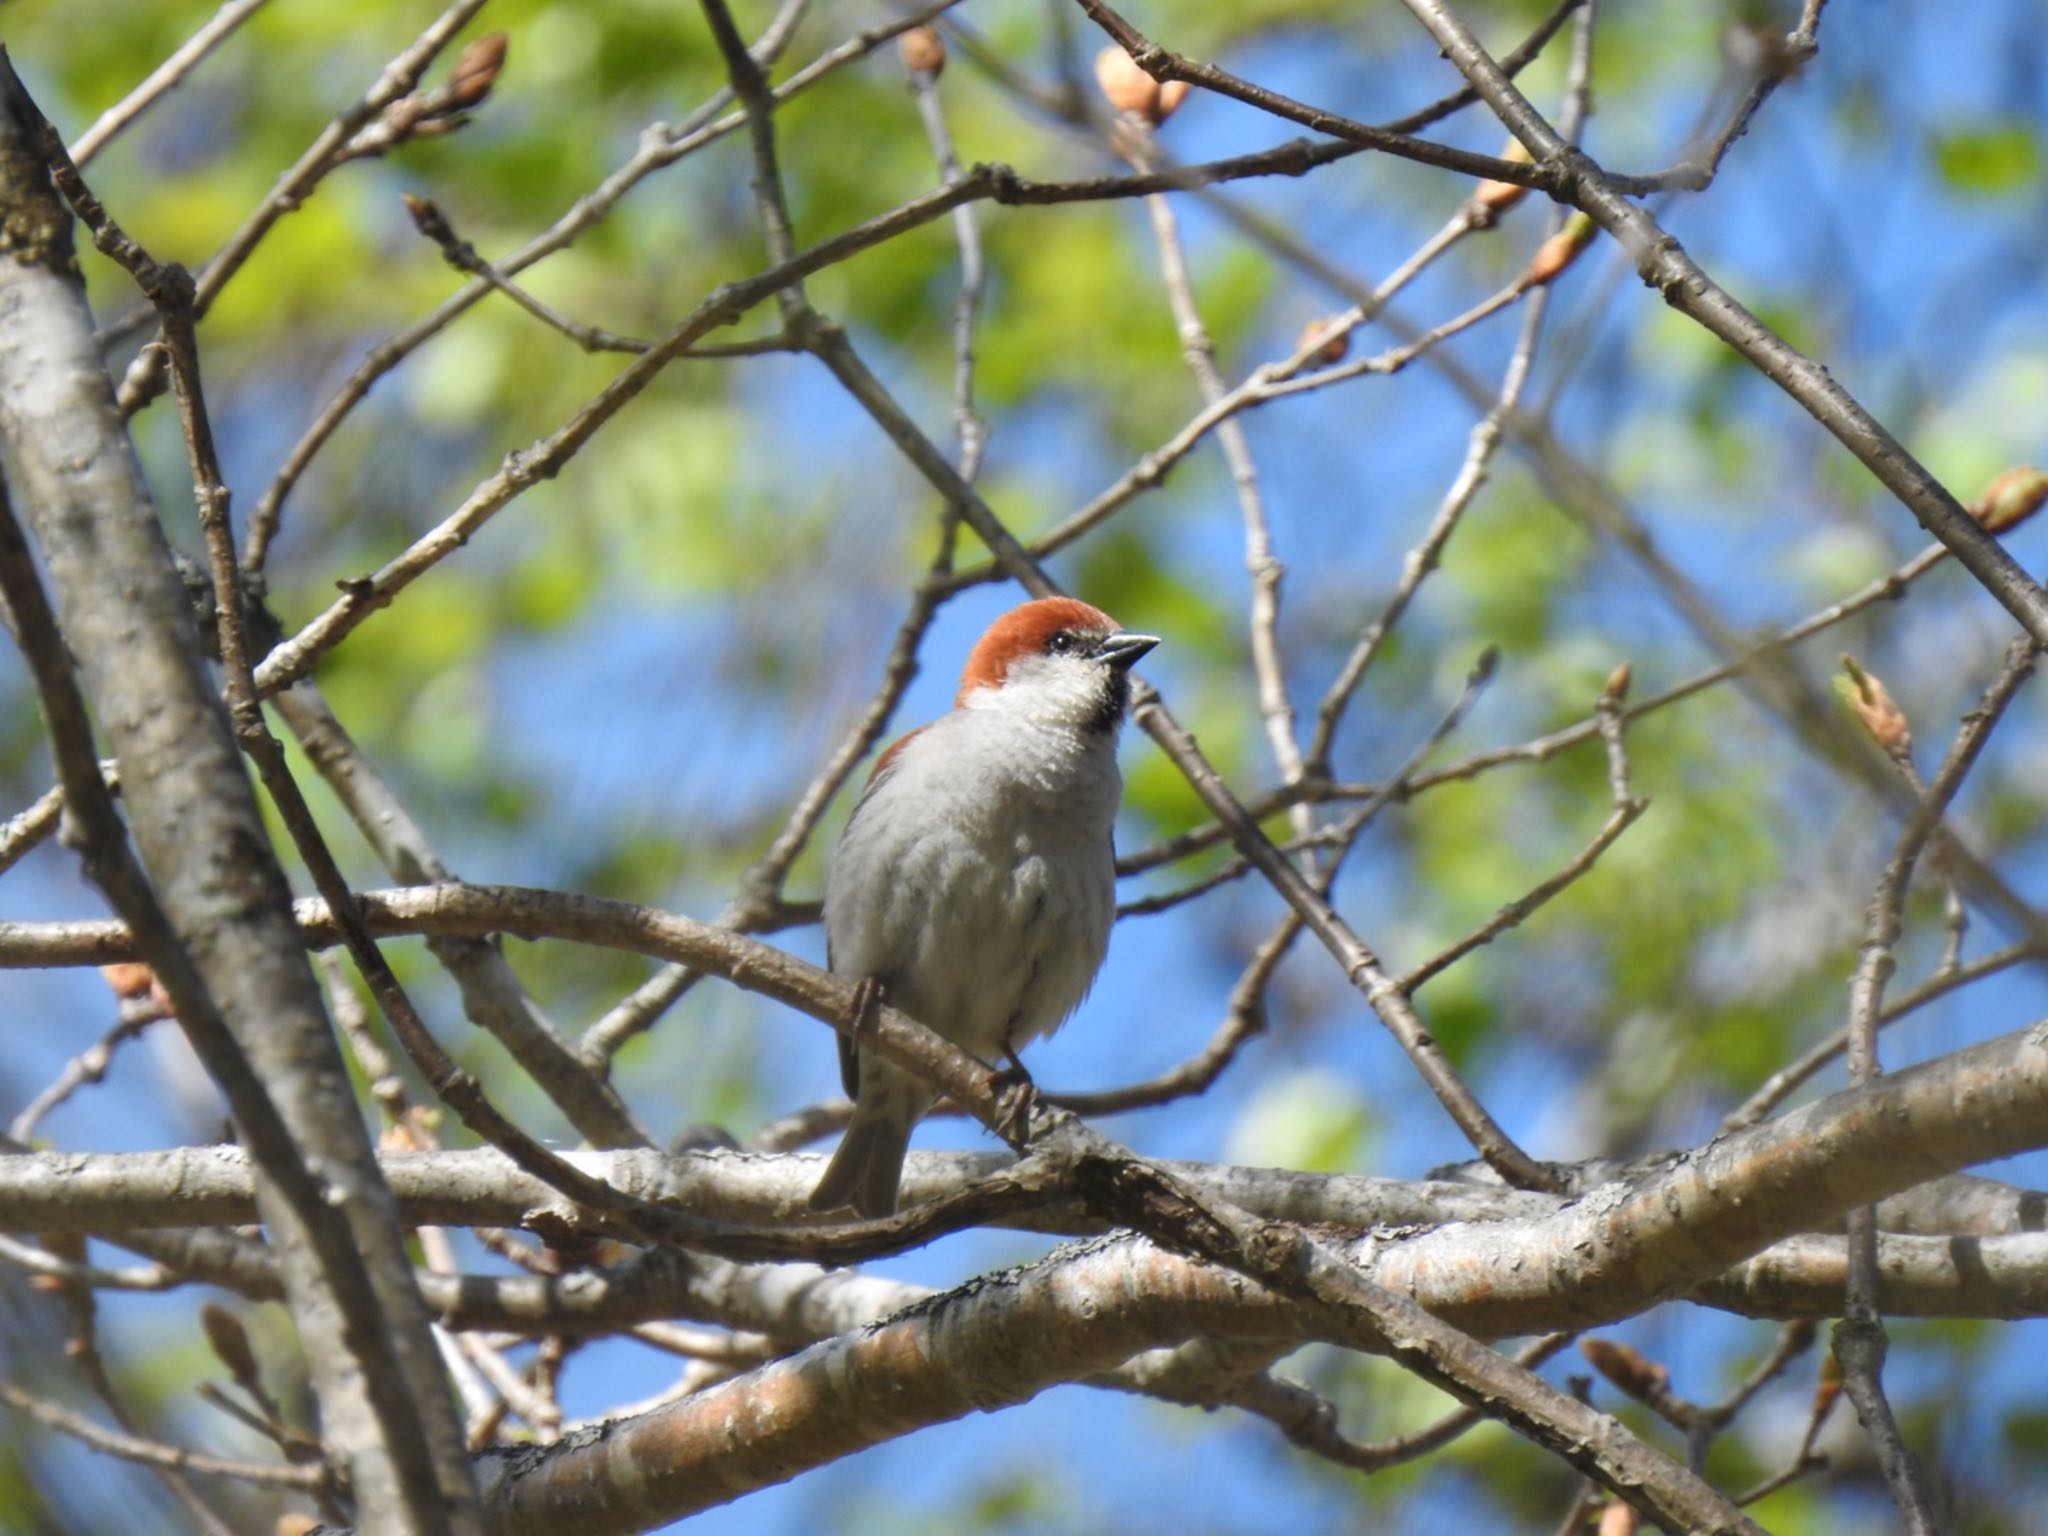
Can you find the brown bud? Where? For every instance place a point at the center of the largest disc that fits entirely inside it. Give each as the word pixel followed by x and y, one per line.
pixel 142 996
pixel 1499 196
pixel 1559 251
pixel 1627 1368
pixel 1872 702
pixel 923 51
pixel 1616 687
pixel 2011 497
pixel 476 71
pixel 1831 1372
pixel 128 979
pixel 1826 1392
pixel 1324 341
pixel 230 1341
pixel 1127 88
pixel 1618 1520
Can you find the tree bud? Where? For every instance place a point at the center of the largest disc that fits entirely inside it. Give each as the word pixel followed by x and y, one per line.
pixel 128 979
pixel 1559 251
pixel 476 71
pixel 1627 1368
pixel 923 51
pixel 1499 196
pixel 1128 88
pixel 2011 497
pixel 1829 1387
pixel 1867 696
pixel 1324 342
pixel 230 1341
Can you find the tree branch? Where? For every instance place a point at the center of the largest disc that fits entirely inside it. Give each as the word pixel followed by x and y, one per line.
pixel 246 1000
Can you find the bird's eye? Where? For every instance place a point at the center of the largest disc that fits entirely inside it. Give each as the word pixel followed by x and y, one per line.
pixel 1060 644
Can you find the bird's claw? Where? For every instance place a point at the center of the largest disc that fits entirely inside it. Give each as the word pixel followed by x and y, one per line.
pixel 867 1002
pixel 1016 1100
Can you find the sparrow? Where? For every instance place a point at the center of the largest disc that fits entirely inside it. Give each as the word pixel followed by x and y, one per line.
pixel 975 884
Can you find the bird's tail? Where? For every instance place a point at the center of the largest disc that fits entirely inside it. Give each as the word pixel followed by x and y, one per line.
pixel 864 1172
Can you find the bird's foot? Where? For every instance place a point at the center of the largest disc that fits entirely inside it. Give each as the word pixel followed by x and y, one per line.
pixel 867 1002
pixel 1016 1099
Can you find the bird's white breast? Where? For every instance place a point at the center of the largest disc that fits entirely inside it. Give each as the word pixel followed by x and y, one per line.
pixel 976 879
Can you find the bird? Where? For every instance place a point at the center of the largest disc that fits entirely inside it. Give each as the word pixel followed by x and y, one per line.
pixel 975 883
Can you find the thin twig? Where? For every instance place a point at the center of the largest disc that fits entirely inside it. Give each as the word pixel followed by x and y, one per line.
pixel 1626 806
pixel 1859 1340
pixel 659 146
pixel 172 292
pixel 155 1453
pixel 428 218
pixel 1198 350
pixel 1244 1016
pixel 1804 1467
pixel 1887 588
pixel 492 995
pixel 1164 65
pixel 1794 1340
pixel 1781 1084
pixel 1481 446
pixel 1279 379
pixel 26 829
pixel 430 221
pixel 1309 1420
pixel 90 1065
pixel 145 379
pixel 968 424
pixel 1612 203
pixel 136 1277
pixel 165 77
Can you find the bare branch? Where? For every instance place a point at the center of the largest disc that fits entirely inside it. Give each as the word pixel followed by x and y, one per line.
pixel 151 1453
pixel 1663 265
pixel 248 1004
pixel 1860 1341
pixel 145 380
pixel 164 78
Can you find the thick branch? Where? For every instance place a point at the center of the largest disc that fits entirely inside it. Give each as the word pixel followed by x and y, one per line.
pixel 1631 1243
pixel 243 989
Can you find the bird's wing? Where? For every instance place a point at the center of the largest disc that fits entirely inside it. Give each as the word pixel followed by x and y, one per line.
pixel 849 1053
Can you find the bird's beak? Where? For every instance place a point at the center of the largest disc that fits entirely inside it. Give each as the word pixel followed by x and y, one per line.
pixel 1122 649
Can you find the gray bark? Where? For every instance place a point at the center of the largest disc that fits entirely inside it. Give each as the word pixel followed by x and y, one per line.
pixel 250 1002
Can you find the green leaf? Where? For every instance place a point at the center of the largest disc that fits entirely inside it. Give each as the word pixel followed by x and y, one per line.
pixel 1989 159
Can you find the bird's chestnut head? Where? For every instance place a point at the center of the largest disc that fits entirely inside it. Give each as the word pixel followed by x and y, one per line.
pixel 1056 661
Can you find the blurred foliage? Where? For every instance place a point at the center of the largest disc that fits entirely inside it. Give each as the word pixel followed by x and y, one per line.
pixel 627 678
pixel 1989 159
